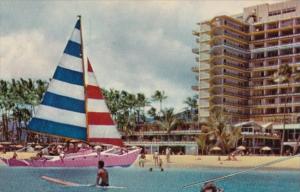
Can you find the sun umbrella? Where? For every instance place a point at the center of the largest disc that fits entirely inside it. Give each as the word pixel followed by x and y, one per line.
pixel 73 141
pixel 97 147
pixel 38 147
pixel 19 146
pixel 242 148
pixel 216 148
pixel 59 146
pixel 266 148
pixel 5 143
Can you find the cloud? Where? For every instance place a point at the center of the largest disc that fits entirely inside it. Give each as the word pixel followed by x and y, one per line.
pixel 139 46
pixel 26 54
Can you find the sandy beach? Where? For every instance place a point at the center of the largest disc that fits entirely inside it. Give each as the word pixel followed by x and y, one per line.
pixel 190 161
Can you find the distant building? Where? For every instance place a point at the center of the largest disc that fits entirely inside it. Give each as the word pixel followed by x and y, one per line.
pixel 236 58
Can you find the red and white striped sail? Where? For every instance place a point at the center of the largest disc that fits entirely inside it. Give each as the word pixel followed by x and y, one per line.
pixel 102 128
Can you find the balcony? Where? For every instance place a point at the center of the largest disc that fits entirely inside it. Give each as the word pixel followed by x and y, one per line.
pixel 231 75
pixel 231 93
pixel 203 76
pixel 203 94
pixel 196 33
pixel 195 88
pixel 230 84
pixel 196 51
pixel 195 69
pixel 204 48
pixel 204 67
pixel 272 48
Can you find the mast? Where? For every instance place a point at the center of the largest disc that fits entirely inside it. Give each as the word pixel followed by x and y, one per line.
pixel 84 78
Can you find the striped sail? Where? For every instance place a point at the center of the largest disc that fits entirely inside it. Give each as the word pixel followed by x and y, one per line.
pixel 101 127
pixel 62 110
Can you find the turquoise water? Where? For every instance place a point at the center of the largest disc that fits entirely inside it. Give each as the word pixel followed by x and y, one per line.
pixel 141 180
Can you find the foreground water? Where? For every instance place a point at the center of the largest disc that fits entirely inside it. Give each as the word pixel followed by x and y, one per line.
pixel 138 180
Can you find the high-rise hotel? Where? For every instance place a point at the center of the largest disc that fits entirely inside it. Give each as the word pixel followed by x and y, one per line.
pixel 237 56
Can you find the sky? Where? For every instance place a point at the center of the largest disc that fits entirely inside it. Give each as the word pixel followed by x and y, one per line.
pixel 138 46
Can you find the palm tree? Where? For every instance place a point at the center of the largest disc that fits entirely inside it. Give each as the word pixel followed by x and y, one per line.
pixel 152 113
pixel 159 96
pixel 192 104
pixel 141 103
pixel 218 128
pixel 169 121
pixel 6 104
pixel 285 74
pixel 201 141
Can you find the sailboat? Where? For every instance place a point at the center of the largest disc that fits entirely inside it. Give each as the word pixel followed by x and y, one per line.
pixel 74 107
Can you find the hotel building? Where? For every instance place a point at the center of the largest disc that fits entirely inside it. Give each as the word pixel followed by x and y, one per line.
pixel 236 58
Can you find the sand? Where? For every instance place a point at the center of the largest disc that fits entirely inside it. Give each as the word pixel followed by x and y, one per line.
pixel 190 161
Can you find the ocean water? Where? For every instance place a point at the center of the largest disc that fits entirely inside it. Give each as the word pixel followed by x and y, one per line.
pixel 141 180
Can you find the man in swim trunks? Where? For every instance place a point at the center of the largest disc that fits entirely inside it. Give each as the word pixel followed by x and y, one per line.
pixel 102 174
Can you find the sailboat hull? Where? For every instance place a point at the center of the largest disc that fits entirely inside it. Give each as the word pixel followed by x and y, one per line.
pixel 87 159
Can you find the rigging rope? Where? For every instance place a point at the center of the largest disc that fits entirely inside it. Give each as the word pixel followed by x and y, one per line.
pixel 240 172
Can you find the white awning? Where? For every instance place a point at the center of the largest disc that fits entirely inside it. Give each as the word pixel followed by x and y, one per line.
pixel 287 126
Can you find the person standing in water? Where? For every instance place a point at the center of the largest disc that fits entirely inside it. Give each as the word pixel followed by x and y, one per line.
pixel 102 174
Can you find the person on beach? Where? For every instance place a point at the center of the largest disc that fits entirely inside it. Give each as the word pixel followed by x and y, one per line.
pixel 15 155
pixel 168 154
pixel 142 159
pixel 160 164
pixel 102 174
pixel 155 157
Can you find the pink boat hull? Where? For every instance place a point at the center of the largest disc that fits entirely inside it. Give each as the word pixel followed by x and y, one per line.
pixel 86 159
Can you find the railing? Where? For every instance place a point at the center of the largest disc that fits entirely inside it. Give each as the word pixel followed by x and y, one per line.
pixel 283 46
pixel 233 75
pixel 174 132
pixel 195 87
pixel 170 143
pixel 271 57
pixel 230 93
pixel 228 46
pixel 195 69
pixel 280 37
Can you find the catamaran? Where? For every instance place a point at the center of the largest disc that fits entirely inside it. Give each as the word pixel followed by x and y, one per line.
pixel 74 107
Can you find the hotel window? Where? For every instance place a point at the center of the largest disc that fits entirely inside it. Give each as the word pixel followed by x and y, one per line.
pixel 289 10
pixel 276 12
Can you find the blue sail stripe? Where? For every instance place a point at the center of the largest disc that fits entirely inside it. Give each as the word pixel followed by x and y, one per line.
pixel 77 26
pixel 73 49
pixel 69 76
pixel 63 102
pixel 55 128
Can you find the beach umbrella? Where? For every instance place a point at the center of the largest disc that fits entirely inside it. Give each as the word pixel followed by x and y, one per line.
pixel 242 148
pixel 266 148
pixel 38 147
pixel 73 141
pixel 216 148
pixel 5 143
pixel 59 146
pixel 97 147
pixel 19 146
